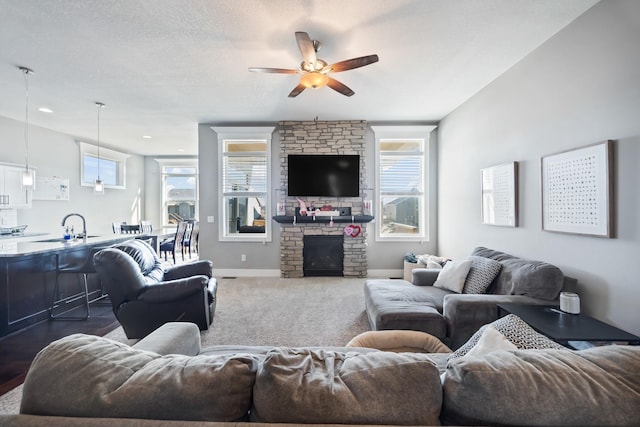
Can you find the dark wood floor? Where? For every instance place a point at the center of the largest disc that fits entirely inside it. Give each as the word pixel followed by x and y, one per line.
pixel 18 350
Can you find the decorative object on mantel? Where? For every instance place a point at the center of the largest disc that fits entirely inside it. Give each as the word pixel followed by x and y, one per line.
pixel 28 175
pixel 352 230
pixel 500 195
pixel 303 207
pixel 576 190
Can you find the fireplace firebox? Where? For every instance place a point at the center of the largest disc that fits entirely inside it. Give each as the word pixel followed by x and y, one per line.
pixel 323 256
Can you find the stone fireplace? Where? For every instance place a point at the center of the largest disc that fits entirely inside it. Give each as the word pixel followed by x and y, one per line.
pixel 322 137
pixel 322 255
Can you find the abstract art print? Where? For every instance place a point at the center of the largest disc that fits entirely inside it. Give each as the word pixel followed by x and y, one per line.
pixel 500 195
pixel 576 191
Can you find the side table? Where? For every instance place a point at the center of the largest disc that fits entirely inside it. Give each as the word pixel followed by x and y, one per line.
pixel 563 327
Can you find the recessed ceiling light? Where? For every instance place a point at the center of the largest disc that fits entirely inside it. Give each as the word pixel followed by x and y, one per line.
pixel 180 150
pixel 147 136
pixel 45 110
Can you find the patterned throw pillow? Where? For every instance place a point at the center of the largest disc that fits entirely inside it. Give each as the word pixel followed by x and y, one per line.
pixel 483 271
pixel 515 330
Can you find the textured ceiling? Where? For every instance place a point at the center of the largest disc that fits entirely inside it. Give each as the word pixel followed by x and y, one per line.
pixel 163 66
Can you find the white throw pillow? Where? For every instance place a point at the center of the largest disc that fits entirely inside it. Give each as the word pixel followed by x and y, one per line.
pixel 491 340
pixel 453 275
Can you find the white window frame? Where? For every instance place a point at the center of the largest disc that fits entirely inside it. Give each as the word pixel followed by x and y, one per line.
pixel 392 133
pixel 243 134
pixel 120 158
pixel 187 163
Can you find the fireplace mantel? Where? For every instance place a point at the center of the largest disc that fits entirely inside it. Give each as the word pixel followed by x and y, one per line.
pixel 288 219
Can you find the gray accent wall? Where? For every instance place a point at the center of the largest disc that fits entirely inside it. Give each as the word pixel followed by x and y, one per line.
pixel 579 88
pixel 384 258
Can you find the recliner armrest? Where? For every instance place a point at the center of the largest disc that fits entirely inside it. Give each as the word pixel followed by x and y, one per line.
pixel 424 276
pixel 174 289
pixel 195 268
pixel 172 338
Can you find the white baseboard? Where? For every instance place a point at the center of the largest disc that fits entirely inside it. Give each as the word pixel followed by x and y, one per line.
pixel 245 272
pixel 251 272
pixel 385 274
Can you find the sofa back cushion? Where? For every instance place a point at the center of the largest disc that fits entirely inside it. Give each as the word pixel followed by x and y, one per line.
pixel 519 276
pixel 595 387
pixel 332 387
pixel 89 376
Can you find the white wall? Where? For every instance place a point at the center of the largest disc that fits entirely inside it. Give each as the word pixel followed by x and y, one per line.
pixel 57 154
pixel 581 87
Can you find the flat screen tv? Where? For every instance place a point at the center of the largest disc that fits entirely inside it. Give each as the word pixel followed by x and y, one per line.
pixel 324 175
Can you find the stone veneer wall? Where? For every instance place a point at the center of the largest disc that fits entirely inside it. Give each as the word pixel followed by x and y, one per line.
pixel 322 137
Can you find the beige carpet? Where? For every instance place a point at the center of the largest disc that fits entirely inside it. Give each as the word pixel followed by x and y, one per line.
pixel 318 311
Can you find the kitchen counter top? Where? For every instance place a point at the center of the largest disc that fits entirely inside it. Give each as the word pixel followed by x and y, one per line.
pixel 49 243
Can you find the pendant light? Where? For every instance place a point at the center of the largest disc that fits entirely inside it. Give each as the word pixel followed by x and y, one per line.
pixel 98 185
pixel 28 175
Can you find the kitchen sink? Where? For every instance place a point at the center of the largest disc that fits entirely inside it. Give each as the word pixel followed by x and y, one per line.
pixel 61 240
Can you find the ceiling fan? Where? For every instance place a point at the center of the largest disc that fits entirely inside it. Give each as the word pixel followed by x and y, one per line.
pixel 315 70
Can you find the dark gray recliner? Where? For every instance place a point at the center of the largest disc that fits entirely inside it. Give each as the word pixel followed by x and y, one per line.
pixel 145 296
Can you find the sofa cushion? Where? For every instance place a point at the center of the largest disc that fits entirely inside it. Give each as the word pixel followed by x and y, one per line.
pixel 515 330
pixel 453 275
pixel 89 376
pixel 595 387
pixel 481 274
pixel 398 304
pixel 520 276
pixel 318 386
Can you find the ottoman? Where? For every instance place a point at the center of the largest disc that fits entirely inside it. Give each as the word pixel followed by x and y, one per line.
pixel 393 304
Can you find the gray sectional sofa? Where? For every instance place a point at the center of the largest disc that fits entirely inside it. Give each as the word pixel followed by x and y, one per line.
pixel 84 380
pixel 454 317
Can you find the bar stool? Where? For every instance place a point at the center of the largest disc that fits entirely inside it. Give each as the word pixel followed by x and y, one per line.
pixel 79 269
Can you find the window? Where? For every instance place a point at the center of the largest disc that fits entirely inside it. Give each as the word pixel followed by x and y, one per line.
pixel 179 190
pixel 110 166
pixel 402 182
pixel 244 176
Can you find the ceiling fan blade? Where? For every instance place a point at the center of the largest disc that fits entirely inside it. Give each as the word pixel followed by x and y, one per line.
pixel 273 70
pixel 297 90
pixel 305 44
pixel 339 87
pixel 350 64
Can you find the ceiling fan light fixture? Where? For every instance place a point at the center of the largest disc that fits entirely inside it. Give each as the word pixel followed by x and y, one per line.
pixel 314 80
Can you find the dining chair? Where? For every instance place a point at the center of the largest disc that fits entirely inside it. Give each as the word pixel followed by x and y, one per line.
pixel 146 227
pixel 130 228
pixel 176 243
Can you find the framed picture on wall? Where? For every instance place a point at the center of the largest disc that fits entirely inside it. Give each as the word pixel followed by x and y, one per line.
pixel 577 190
pixel 500 195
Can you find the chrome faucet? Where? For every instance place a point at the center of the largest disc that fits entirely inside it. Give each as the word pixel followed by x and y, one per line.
pixel 84 223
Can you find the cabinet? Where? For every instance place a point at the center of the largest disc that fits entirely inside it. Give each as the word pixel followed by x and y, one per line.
pixel 13 195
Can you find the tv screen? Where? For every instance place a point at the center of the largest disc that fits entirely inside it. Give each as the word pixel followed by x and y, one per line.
pixel 324 175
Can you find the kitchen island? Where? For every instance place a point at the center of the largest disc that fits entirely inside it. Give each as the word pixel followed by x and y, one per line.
pixel 28 273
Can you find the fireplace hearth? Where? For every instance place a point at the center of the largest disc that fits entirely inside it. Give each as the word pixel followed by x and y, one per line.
pixel 323 256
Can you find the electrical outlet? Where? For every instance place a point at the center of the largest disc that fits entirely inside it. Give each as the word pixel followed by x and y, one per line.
pixel 210 219
pixel 243 257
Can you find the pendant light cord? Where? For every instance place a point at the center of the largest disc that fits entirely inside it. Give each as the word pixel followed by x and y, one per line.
pixel 99 108
pixel 25 73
